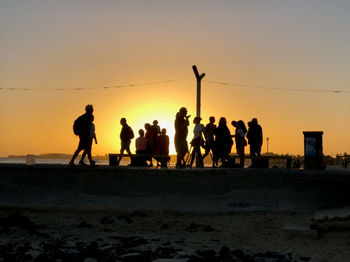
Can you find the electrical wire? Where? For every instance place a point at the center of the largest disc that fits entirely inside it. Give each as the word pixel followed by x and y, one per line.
pixel 96 88
pixel 275 88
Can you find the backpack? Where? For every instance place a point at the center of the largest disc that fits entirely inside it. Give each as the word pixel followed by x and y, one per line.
pixel 131 133
pixel 78 126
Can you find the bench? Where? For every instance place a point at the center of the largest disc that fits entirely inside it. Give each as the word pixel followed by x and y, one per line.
pixel 262 161
pixel 140 159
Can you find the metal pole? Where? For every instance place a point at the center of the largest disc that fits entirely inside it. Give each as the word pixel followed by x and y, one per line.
pixel 267 144
pixel 199 78
pixel 198 98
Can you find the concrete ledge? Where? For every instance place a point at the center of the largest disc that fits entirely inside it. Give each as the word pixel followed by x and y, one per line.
pixel 185 190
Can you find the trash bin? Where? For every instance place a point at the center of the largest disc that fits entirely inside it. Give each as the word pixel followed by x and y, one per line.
pixel 313 150
pixel 113 160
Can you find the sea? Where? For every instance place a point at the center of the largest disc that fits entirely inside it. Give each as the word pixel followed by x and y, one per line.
pixel 105 162
pixel 57 161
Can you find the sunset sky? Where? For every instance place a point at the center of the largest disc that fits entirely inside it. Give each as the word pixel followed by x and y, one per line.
pixel 268 48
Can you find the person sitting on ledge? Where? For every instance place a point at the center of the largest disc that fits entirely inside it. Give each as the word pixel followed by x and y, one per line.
pixel 141 150
pixel 162 147
pixel 150 141
pixel 141 143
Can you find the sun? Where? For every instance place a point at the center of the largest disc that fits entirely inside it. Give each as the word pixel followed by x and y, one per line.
pixel 165 120
pixel 136 117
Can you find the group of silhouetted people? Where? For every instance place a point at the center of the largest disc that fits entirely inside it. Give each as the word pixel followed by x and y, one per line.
pixel 154 141
pixel 217 141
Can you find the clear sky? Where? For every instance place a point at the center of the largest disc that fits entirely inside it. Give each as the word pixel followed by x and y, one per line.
pixel 287 44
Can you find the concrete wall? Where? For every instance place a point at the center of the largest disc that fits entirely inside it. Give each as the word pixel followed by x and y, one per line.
pixel 187 190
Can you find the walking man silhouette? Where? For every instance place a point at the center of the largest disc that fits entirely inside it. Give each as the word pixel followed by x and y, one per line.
pixel 126 134
pixel 82 128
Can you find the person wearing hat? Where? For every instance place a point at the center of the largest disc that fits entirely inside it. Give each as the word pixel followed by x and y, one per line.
pixel 197 141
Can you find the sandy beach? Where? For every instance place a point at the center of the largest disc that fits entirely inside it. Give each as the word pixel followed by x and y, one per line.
pixel 181 234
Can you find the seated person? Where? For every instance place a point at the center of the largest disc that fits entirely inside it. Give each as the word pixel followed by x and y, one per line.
pixel 141 148
pixel 150 138
pixel 162 147
pixel 141 143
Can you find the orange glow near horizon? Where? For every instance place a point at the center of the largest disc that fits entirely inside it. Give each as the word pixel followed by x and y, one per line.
pixel 137 118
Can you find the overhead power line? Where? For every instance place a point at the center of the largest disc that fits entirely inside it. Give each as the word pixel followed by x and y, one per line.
pixel 177 80
pixel 276 88
pixel 96 88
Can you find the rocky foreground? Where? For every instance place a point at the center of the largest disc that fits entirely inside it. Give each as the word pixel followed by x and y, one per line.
pixel 86 236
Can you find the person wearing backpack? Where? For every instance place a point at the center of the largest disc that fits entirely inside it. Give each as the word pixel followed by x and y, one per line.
pixel 82 128
pixel 91 138
pixel 125 137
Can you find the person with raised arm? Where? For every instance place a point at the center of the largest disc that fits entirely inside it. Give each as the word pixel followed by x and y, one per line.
pixel 181 132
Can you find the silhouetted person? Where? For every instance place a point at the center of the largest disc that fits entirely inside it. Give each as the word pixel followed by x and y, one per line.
pixel 255 138
pixel 82 128
pixel 209 132
pixel 181 131
pixel 162 143
pixel 196 143
pixel 91 138
pixel 150 138
pixel 346 160
pixel 239 135
pixel 141 143
pixel 126 134
pixel 156 128
pixel 141 149
pixel 162 147
pixel 223 141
